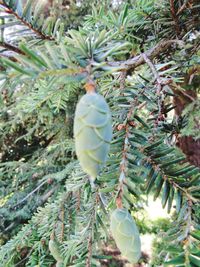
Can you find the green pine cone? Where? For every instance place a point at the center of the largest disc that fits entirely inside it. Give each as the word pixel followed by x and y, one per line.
pixel 92 132
pixel 126 234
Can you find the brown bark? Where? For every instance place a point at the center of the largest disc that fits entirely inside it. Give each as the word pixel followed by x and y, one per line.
pixel 191 149
pixel 187 144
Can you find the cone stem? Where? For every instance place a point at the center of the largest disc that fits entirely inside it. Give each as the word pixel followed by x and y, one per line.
pixel 90 86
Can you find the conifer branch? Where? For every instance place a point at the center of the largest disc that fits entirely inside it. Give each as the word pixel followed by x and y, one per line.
pixel 125 149
pixel 136 61
pixel 8 10
pixel 184 191
pixel 42 109
pixel 123 167
pixel 123 164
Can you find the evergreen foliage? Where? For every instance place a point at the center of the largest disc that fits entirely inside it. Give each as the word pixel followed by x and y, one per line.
pixel 138 55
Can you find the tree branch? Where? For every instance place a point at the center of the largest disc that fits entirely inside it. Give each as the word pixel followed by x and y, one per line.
pixel 48 194
pixel 174 17
pixel 88 263
pixel 159 92
pixel 11 48
pixel 6 56
pixel 134 62
pixel 29 25
pixel 153 69
pixel 183 7
pixel 30 194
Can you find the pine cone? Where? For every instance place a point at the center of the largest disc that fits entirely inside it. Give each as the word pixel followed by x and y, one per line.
pixel 92 132
pixel 126 234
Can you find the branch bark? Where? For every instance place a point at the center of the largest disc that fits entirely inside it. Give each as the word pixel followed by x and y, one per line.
pixel 174 17
pixel 11 48
pixel 153 69
pixel 134 62
pixel 183 7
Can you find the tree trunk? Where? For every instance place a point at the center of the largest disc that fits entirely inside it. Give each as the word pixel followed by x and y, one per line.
pixel 187 144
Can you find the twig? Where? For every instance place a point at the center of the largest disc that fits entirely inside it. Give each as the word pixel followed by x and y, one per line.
pixel 187 241
pixel 9 227
pixel 183 7
pixel 159 92
pixel 174 184
pixel 31 193
pixel 88 264
pixel 48 194
pixel 91 225
pixel 143 104
pixel 29 25
pixel 124 161
pixel 63 222
pixel 12 48
pixel 123 168
pixel 78 203
pixel 182 91
pixel 10 58
pixel 136 61
pixel 188 96
pixel 174 17
pixel 44 199
pixel 189 220
pixel 27 256
pixel 154 71
pixel 122 79
pixel 184 191
pixel 123 164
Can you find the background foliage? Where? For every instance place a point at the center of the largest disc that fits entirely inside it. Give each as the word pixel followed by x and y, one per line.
pixel 144 57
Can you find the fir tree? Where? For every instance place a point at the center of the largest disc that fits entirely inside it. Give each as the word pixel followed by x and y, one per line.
pixel 143 57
